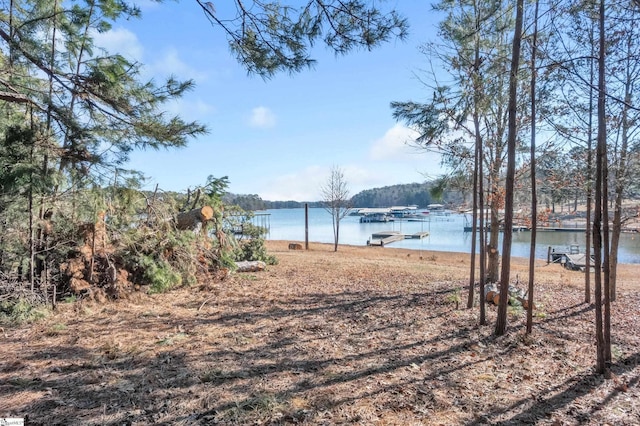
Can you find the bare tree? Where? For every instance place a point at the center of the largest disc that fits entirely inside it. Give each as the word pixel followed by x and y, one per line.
pixel 336 200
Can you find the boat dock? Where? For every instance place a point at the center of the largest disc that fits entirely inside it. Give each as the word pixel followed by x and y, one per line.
pixel 387 237
pixel 578 262
pixel 571 259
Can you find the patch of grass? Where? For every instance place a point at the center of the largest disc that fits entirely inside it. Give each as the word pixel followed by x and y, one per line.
pixel 56 329
pixel 515 310
pixel 539 311
pixel 455 297
pixel 70 299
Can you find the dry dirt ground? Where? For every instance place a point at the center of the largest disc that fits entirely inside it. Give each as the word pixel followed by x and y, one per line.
pixel 367 335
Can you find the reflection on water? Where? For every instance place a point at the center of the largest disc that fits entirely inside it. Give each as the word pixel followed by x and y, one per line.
pixel 446 233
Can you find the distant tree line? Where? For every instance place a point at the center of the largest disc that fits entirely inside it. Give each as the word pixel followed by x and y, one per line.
pixel 253 202
pixel 420 194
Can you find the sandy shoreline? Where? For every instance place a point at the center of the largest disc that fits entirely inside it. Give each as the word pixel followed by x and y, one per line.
pixel 455 265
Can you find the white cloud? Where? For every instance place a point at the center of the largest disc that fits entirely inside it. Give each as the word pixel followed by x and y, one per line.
pixel 191 109
pixel 120 41
pixel 393 145
pixel 394 151
pixel 262 117
pixel 299 185
pixel 388 162
pixel 170 63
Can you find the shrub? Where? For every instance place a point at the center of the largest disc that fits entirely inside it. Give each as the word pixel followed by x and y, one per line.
pixel 19 311
pixel 160 275
pixel 252 246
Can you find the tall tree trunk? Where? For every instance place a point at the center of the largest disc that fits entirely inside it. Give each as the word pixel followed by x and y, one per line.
pixel 483 235
pixel 601 365
pixel 621 174
pixel 474 230
pixel 476 166
pixel 32 241
pixel 590 249
pixel 606 323
pixel 534 197
pixel 501 321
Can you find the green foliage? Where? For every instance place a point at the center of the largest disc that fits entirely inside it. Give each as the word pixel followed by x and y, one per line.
pixel 160 275
pixel 271 37
pixel 20 311
pixel 71 118
pixel 395 195
pixel 70 299
pixel 515 309
pixel 252 246
pixel 455 297
pixel 161 258
pixel 250 202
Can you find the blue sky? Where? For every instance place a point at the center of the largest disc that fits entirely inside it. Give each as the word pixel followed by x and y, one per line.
pixel 279 138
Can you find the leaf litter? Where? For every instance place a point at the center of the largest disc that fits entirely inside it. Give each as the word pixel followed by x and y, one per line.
pixel 362 336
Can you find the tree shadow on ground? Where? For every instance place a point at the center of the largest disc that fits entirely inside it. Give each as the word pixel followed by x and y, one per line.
pixel 298 358
pixel 542 407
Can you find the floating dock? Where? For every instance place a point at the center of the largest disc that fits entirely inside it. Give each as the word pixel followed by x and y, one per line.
pixel 578 262
pixel 383 238
pixel 570 258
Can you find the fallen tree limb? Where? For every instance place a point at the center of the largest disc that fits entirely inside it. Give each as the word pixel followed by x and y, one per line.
pixel 251 266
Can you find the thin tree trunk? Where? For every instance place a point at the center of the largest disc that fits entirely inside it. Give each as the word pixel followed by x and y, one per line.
pixel 483 236
pixel 501 321
pixel 32 242
pixel 493 272
pixel 476 161
pixel 587 277
pixel 337 226
pixel 474 231
pixel 621 173
pixel 597 220
pixel 534 197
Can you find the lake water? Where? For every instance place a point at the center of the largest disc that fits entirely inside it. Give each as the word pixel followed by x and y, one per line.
pixel 446 233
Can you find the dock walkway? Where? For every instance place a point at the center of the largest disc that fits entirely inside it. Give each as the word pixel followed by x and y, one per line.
pixel 571 259
pixel 387 237
pixel 577 262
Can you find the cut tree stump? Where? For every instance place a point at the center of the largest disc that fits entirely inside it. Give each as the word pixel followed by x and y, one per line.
pixel 496 299
pixel 490 291
pixel 191 219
